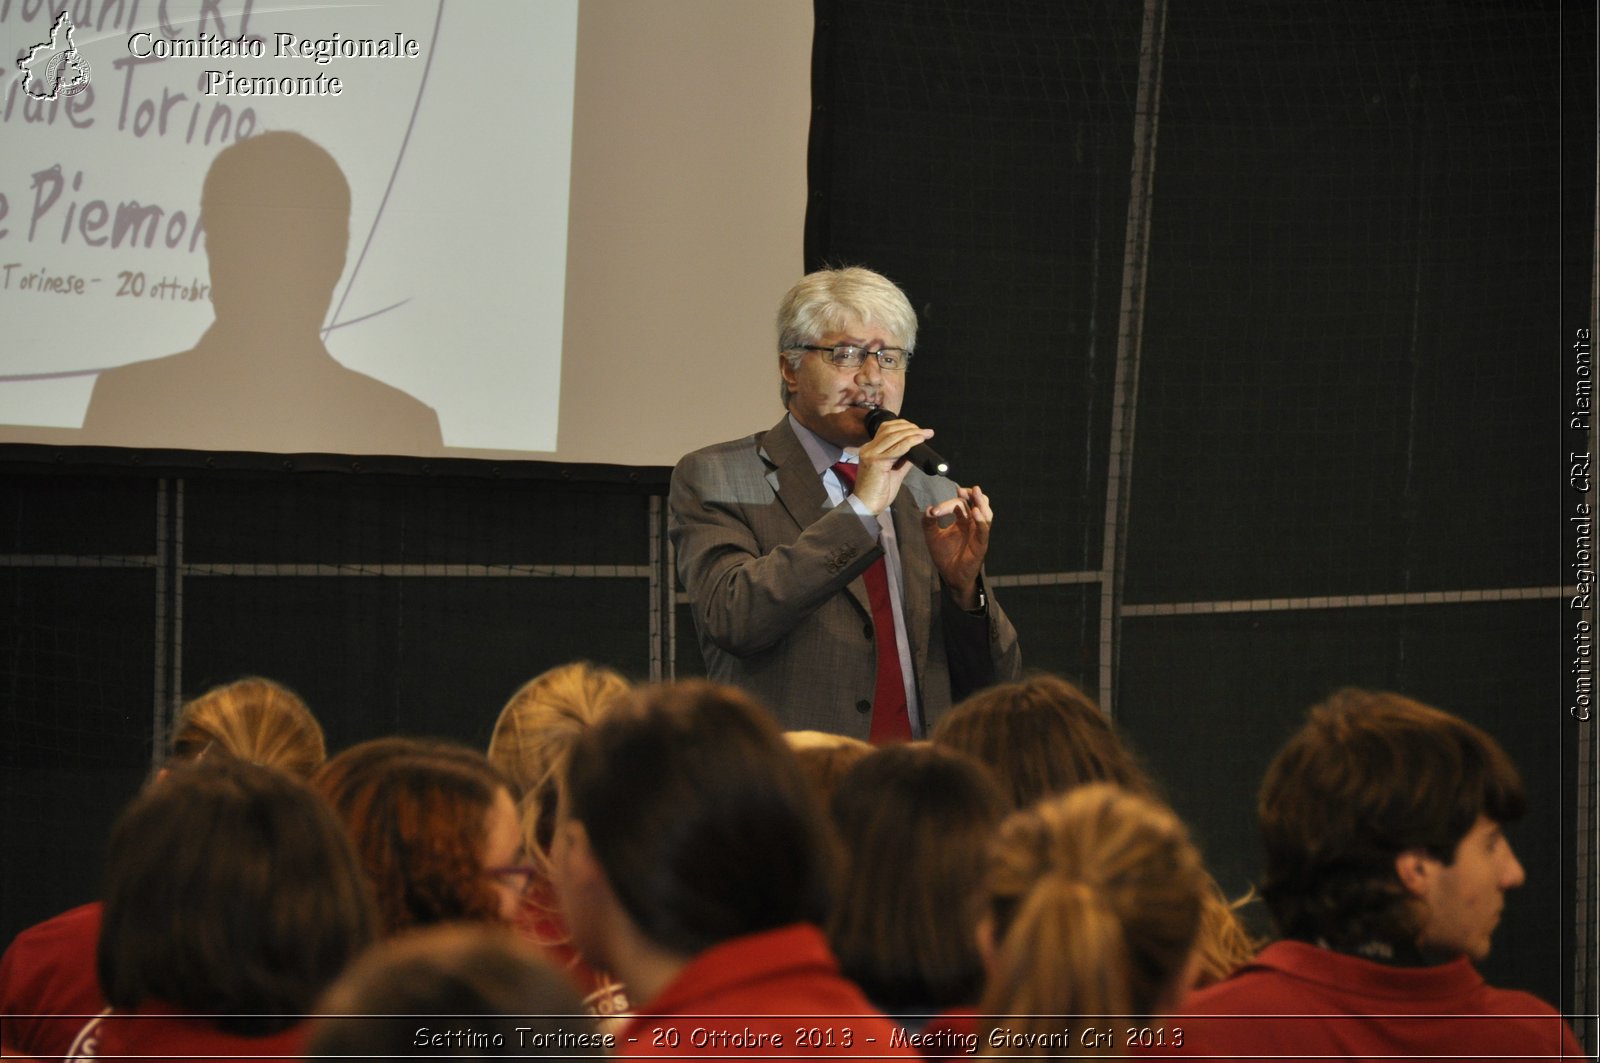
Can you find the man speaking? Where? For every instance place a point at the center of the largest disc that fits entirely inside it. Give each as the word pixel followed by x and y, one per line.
pixel 832 577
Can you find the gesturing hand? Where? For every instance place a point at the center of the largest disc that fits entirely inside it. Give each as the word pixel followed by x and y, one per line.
pixel 958 547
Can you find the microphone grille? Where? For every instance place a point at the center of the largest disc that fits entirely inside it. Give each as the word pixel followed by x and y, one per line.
pixel 878 415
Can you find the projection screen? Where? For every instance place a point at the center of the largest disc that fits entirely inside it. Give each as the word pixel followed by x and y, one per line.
pixel 568 224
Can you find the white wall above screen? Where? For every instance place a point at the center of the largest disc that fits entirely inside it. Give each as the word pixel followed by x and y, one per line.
pixel 570 223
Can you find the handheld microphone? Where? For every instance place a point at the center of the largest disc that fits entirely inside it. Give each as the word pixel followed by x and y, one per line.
pixel 923 456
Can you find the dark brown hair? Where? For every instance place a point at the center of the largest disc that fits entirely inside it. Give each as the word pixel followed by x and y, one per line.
pixel 1040 737
pixel 915 822
pixel 699 816
pixel 482 984
pixel 1369 776
pixel 231 890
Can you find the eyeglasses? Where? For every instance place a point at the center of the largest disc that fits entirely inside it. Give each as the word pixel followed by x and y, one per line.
pixel 847 356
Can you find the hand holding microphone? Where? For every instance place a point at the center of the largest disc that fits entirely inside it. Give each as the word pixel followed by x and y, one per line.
pixel 921 455
pixel 957 530
pixel 886 458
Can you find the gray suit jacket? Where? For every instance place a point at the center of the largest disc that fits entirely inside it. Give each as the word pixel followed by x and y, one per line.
pixel 779 602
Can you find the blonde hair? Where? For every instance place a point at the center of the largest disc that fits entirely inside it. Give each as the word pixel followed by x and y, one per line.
pixel 1044 736
pixel 534 736
pixel 251 719
pixel 1097 901
pixel 825 758
pixel 1225 943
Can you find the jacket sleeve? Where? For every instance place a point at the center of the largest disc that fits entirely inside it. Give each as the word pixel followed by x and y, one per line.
pixel 753 573
pixel 980 650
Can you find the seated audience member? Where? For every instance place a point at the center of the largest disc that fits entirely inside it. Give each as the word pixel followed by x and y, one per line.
pixel 435 827
pixel 453 990
pixel 691 858
pixel 1040 737
pixel 1386 871
pixel 252 719
pixel 337 779
pixel 1095 902
pixel 825 758
pixel 915 822
pixel 233 899
pixel 1043 737
pixel 531 744
pixel 47 981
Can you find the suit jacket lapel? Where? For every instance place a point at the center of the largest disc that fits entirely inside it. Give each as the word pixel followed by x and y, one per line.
pixel 791 476
pixel 799 488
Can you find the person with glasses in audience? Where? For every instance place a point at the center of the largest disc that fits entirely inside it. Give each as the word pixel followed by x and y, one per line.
pixel 830 576
pixel 531 743
pixel 436 828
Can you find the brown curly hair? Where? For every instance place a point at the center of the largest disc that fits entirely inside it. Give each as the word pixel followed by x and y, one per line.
pixel 417 812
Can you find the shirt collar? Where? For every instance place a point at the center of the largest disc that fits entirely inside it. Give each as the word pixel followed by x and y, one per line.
pixel 822 453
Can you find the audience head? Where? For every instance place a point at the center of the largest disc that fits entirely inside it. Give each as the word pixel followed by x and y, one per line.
pixel 824 758
pixel 479 988
pixel 436 829
pixel 1381 819
pixel 1044 737
pixel 231 890
pixel 687 823
pixel 1095 902
pixel 915 822
pixel 533 740
pixel 1040 737
pixel 251 719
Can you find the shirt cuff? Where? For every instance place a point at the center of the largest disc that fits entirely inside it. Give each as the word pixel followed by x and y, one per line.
pixel 869 520
pixel 982 608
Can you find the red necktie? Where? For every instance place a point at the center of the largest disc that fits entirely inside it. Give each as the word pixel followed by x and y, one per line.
pixel 890 720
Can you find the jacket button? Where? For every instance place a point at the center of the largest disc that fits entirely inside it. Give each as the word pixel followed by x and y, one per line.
pixel 863 706
pixel 867 631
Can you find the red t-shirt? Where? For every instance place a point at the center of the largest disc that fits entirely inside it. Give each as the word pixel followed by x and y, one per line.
pixel 155 1031
pixel 1298 1001
pixel 540 924
pixel 774 993
pixel 48 985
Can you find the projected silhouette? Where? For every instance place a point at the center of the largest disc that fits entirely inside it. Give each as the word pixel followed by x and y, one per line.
pixel 276 209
